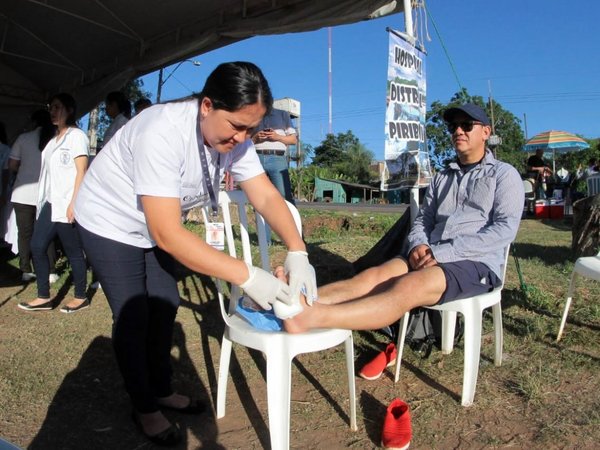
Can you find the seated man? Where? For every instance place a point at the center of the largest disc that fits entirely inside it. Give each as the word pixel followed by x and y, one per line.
pixel 470 214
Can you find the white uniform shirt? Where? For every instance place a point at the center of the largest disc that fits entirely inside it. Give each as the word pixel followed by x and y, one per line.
pixel 115 126
pixel 155 154
pixel 26 151
pixel 281 123
pixel 57 176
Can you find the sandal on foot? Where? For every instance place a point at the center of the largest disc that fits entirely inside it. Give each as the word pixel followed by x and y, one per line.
pixel 166 438
pixel 194 407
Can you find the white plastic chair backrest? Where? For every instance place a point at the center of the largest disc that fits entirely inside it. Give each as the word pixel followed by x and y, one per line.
pixel 528 187
pixel 593 184
pixel 506 255
pixel 237 199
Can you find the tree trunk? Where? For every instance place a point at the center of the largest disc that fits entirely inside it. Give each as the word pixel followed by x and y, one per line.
pixel 586 226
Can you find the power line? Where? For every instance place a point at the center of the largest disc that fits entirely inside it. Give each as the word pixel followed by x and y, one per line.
pixel 443 46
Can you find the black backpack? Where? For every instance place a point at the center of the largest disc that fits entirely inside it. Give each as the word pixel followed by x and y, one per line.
pixel 424 331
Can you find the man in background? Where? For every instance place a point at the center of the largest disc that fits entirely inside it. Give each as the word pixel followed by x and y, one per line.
pixel 274 133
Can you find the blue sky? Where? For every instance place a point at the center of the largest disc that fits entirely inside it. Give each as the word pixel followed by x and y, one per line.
pixel 540 57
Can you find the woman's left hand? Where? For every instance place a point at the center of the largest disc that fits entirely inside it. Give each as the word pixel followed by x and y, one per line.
pixel 301 273
pixel 70 213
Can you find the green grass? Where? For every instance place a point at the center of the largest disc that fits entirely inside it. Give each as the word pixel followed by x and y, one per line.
pixel 58 378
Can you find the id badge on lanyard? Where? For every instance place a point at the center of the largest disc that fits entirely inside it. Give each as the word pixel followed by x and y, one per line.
pixel 215 231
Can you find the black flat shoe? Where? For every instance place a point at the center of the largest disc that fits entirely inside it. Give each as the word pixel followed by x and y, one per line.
pixel 167 438
pixel 68 309
pixel 41 307
pixel 195 407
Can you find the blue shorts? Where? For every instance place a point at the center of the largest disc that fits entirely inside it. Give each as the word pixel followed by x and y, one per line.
pixel 466 279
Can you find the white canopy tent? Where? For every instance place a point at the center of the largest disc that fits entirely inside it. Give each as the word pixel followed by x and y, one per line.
pixel 91 47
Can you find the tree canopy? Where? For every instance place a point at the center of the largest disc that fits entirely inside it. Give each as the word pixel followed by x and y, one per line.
pixel 344 154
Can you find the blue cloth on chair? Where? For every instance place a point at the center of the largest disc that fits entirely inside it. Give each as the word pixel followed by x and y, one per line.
pixel 257 317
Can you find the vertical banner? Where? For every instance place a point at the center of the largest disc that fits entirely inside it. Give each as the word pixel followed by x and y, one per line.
pixel 406 158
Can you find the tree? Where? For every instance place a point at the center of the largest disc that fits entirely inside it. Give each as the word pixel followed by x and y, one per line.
pixel 506 125
pixel 331 150
pixel 344 154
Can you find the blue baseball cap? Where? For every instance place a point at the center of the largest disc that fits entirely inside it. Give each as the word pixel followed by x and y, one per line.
pixel 470 109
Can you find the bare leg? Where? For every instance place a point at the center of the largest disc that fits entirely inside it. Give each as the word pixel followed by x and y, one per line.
pixel 366 282
pixel 378 309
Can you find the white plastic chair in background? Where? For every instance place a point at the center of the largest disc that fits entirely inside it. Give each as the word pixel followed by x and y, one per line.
pixel 279 348
pixel 593 185
pixel 529 195
pixel 472 309
pixel 588 267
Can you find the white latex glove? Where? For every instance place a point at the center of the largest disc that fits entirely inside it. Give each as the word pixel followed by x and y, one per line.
pixel 264 288
pixel 301 275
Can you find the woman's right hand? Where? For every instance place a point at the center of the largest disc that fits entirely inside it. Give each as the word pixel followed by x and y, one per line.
pixel 264 288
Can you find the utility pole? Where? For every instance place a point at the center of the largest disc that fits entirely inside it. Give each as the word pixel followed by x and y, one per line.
pixel 160 84
pixel 494 140
pixel 93 130
pixel 330 82
pixel 162 81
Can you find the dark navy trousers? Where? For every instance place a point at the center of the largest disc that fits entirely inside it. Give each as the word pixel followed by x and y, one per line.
pixel 143 296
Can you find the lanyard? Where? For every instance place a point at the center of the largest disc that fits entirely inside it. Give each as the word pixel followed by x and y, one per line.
pixel 206 175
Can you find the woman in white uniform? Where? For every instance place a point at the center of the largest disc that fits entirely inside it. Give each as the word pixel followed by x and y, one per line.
pixel 26 161
pixel 128 212
pixel 64 162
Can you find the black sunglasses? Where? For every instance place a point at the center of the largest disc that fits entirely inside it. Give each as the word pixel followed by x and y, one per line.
pixel 466 125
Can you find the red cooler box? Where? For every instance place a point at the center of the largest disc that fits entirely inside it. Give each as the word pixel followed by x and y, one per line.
pixel 549 209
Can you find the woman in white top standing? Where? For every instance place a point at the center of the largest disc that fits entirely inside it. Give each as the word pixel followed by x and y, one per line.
pixel 26 161
pixel 64 162
pixel 166 160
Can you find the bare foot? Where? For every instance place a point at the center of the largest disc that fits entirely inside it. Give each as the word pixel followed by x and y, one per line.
pixel 300 322
pixel 38 301
pixel 153 423
pixel 75 303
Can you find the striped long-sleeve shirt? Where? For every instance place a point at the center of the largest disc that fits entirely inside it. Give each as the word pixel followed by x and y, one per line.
pixel 471 216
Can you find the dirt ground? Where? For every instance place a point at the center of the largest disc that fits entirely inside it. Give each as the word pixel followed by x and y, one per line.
pixel 60 387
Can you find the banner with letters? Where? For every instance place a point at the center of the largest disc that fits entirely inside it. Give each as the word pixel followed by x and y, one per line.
pixel 406 159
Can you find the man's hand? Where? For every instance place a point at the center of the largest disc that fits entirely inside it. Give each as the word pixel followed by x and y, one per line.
pixel 265 135
pixel 420 257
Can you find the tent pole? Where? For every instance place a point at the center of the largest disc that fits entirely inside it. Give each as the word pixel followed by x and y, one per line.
pixel 408 25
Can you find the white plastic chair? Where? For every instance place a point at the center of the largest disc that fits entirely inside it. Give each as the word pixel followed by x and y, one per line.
pixel 529 195
pixel 593 185
pixel 586 266
pixel 472 309
pixel 279 348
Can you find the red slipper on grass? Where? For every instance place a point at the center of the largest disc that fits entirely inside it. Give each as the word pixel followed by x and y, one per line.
pixel 373 369
pixel 397 427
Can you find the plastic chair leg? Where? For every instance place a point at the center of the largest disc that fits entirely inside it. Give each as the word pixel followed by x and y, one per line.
pixel 472 351
pixel 448 329
pixel 279 379
pixel 349 347
pixel 400 345
pixel 223 374
pixel 567 305
pixel 498 333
